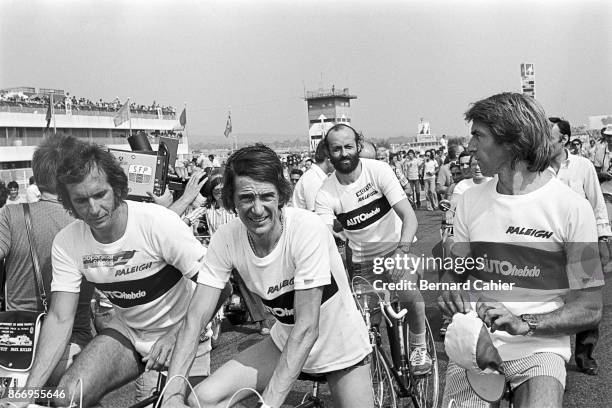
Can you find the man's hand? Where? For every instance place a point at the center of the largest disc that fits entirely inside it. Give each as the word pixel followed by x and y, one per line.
pixel 497 317
pixel 454 301
pixel 165 200
pixel 605 253
pixel 194 185
pixel 159 356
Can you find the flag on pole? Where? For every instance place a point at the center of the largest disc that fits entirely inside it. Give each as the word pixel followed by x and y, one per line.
pixel 228 125
pixel 123 114
pixel 49 111
pixel 183 118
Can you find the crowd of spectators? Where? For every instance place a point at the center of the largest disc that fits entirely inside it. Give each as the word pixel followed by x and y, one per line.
pixel 77 104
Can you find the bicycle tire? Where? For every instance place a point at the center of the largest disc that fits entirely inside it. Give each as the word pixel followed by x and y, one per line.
pixel 426 389
pixel 382 382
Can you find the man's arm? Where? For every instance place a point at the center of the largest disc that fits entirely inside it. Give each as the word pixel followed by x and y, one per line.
pixel 54 337
pixel 409 222
pixel 592 191
pixel 582 311
pixel 192 189
pixel 307 306
pixel 200 311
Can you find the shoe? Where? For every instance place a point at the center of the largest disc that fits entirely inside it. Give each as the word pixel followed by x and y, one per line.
pixel 589 367
pixel 420 362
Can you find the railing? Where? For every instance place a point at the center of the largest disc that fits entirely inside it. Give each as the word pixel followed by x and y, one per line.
pixel 322 93
pixel 83 112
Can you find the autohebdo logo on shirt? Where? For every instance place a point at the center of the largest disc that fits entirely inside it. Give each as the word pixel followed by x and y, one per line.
pixel 107 260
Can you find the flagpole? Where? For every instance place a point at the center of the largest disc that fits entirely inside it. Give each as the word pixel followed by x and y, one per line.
pixel 129 115
pixel 185 130
pixel 53 114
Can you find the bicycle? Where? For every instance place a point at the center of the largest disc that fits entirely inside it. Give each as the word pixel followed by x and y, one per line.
pixel 392 378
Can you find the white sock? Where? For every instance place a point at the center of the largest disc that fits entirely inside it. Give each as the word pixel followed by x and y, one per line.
pixel 416 339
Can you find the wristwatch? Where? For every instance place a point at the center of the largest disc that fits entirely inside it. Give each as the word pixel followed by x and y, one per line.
pixel 532 322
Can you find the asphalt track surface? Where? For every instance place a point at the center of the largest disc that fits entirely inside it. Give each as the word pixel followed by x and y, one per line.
pixel 581 390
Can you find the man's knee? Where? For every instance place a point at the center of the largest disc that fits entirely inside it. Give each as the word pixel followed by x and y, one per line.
pixel 539 392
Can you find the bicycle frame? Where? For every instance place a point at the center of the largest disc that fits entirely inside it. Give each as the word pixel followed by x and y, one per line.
pixel 396 330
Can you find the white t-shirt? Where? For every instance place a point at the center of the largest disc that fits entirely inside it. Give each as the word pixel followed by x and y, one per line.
pixel 365 209
pixel 531 240
pixel 429 167
pixel 18 200
pixel 141 273
pixel 307 187
pixel 32 193
pixel 305 257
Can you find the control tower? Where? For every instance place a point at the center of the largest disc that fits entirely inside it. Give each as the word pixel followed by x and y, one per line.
pixel 326 107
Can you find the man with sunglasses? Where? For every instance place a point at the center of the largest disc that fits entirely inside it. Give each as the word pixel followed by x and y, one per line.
pixel 579 174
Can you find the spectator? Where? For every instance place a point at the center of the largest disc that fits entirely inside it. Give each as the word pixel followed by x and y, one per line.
pixel 445 179
pixel 306 189
pixel 32 192
pixel 443 142
pixel 428 172
pixel 48 218
pixel 579 174
pixel 214 161
pixel 14 197
pixel 4 193
pixel 369 151
pixel 295 176
pixel 591 151
pixel 411 169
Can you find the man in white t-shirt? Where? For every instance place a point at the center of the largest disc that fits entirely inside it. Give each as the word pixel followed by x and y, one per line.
pixel 287 257
pixel 32 192
pixel 536 239
pixel 307 187
pixel 141 266
pixel 376 216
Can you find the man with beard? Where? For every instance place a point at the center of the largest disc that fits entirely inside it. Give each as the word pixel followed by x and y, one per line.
pixel 368 200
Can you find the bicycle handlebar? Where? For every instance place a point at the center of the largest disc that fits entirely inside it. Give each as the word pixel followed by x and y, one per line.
pixel 389 309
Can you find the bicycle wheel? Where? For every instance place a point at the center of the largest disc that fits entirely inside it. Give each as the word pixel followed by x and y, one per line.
pixel 426 389
pixel 382 382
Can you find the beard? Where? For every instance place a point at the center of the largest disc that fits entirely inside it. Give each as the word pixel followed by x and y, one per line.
pixel 345 168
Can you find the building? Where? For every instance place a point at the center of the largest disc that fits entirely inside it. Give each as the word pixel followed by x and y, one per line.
pixel 326 107
pixel 23 125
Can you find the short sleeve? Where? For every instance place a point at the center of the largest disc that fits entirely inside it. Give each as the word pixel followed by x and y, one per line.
pixel 582 250
pixel 298 199
pixel 461 238
pixel 217 265
pixel 176 242
pixel 310 247
pixel 324 207
pixel 66 274
pixel 389 185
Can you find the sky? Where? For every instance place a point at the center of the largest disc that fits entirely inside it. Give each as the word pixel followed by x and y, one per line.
pixel 405 60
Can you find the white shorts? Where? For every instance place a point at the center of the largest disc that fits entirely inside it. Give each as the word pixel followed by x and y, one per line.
pixel 517 372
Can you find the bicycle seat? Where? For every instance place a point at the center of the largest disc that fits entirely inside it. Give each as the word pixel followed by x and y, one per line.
pixel 489 387
pixel 320 378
